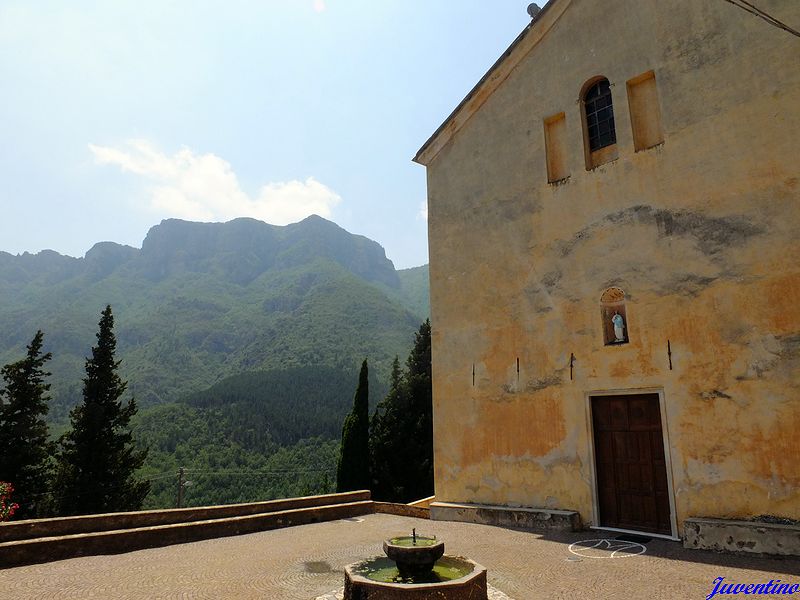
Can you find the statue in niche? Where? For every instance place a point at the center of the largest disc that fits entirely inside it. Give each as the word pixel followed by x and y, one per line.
pixel 619 327
pixel 614 317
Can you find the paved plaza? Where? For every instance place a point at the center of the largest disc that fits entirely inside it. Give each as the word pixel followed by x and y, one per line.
pixel 304 562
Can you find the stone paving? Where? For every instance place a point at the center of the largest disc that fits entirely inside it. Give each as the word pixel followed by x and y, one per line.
pixel 492 594
pixel 304 562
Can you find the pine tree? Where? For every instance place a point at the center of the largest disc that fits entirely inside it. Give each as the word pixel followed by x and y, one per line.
pixel 352 472
pixel 98 458
pixel 25 452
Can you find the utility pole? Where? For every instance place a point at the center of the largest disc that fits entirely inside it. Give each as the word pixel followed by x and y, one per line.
pixel 181 486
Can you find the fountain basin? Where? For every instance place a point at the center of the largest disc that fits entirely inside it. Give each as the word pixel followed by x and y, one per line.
pixel 452 578
pixel 414 555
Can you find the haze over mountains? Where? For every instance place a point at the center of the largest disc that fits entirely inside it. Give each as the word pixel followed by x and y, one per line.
pixel 203 301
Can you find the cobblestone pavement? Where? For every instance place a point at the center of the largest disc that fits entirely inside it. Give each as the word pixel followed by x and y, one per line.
pixel 301 563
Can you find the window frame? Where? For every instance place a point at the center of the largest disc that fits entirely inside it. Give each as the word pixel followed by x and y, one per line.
pixel 599 112
pixel 603 154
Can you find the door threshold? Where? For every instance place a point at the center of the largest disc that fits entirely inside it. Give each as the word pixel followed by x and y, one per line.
pixel 660 536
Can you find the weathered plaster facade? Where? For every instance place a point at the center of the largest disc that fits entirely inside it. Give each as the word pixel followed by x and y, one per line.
pixel 702 233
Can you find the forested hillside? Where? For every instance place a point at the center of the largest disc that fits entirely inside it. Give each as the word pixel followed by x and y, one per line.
pixel 414 289
pixel 203 301
pixel 250 437
pixel 221 470
pixel 239 340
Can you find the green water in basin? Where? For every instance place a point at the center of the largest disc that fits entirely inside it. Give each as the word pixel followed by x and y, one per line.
pixel 407 540
pixel 384 570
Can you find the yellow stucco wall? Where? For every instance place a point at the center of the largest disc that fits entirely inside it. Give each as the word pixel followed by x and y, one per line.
pixel 702 233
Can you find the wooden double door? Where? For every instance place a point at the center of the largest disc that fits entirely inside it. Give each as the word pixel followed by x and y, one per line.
pixel 632 487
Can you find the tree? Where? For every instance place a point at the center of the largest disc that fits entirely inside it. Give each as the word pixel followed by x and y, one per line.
pixel 420 417
pixel 352 472
pixel 98 458
pixel 24 444
pixel 383 438
pixel 401 430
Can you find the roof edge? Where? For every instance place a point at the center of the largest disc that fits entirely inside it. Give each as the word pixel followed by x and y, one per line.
pixel 496 74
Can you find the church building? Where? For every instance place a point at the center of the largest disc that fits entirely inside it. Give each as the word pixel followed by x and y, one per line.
pixel 614 226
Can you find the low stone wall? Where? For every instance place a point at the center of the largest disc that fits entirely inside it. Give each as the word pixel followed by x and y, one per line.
pixel 21 552
pixel 36 528
pixel 424 503
pixel 402 510
pixel 742 536
pixel 535 519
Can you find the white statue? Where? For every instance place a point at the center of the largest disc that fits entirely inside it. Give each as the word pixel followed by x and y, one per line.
pixel 619 327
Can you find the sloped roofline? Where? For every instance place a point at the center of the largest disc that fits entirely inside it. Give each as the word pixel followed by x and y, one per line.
pixel 497 73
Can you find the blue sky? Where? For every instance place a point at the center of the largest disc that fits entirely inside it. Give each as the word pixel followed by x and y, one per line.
pixel 116 115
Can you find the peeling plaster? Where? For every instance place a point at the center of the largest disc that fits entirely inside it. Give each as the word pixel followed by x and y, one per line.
pixel 711 234
pixel 543 383
pixel 710 395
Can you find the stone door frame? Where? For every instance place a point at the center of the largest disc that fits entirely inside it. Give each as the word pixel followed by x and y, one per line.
pixel 667 459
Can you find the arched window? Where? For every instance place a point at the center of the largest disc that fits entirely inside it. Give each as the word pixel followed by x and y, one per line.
pixel 599 112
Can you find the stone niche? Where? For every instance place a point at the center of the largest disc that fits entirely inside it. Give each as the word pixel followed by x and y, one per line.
pixel 614 317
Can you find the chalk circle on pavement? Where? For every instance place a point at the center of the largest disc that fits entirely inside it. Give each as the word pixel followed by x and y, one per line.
pixel 606 548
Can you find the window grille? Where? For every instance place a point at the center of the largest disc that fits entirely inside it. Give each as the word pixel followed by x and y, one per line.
pixel 600 116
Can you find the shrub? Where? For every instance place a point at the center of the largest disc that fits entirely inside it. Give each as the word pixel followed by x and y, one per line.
pixel 7 508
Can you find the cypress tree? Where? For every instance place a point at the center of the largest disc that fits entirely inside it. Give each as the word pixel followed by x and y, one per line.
pixel 352 472
pixel 383 438
pixel 25 452
pixel 98 458
pixel 401 436
pixel 419 482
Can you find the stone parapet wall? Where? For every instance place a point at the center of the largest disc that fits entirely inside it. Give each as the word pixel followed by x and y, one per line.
pixel 48 548
pixel 402 510
pixel 424 502
pixel 37 528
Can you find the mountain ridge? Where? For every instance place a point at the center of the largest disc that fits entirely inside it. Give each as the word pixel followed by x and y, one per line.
pixel 203 301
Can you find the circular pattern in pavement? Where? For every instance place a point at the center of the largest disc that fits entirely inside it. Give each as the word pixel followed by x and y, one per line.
pixel 606 548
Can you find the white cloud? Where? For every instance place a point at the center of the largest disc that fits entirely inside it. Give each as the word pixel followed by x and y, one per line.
pixel 423 211
pixel 205 188
pixel 319 5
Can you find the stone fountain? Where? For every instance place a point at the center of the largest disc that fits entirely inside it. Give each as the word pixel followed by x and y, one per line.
pixel 415 567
